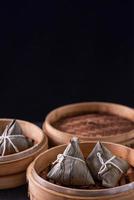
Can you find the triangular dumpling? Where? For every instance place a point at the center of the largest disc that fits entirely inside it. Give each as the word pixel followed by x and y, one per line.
pixel 70 168
pixel 106 167
pixel 12 139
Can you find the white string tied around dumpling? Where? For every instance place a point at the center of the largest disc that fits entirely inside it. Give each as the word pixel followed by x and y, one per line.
pixel 104 164
pixel 61 157
pixel 4 137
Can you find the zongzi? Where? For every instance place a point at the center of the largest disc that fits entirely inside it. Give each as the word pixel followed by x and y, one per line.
pixel 70 167
pixel 105 166
pixel 12 139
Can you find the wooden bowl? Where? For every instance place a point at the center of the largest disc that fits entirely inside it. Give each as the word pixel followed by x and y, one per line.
pixel 40 189
pixel 13 167
pixel 57 137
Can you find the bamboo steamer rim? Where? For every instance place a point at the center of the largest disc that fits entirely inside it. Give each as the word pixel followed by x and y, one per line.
pixel 27 152
pixel 70 196
pixel 48 186
pixel 48 127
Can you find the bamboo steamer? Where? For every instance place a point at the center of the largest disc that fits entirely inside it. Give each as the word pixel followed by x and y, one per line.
pixel 40 189
pixel 13 167
pixel 57 137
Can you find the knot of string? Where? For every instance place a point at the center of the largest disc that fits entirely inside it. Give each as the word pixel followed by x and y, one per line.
pixel 104 164
pixel 61 157
pixel 7 137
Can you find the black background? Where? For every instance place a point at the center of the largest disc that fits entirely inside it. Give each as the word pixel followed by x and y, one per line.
pixel 59 52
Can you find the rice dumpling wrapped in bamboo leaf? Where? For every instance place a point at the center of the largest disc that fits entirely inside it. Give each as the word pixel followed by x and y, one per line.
pixel 105 166
pixel 12 139
pixel 70 168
